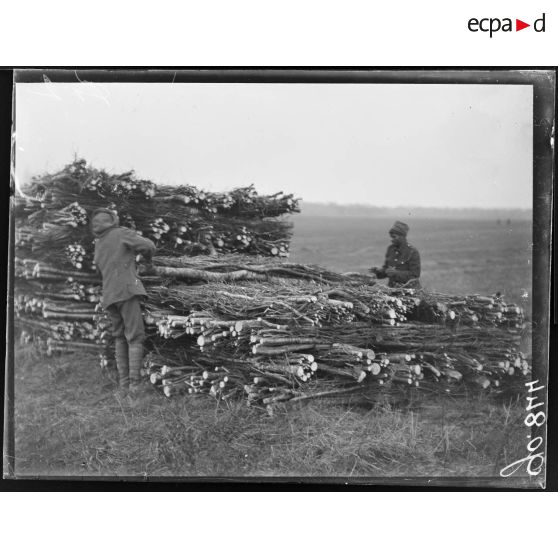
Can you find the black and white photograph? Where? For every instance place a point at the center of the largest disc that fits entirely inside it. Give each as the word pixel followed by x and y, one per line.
pixel 327 275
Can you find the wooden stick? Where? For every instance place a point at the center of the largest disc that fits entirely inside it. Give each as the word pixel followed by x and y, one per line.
pixel 263 350
pixel 199 275
pixel 357 374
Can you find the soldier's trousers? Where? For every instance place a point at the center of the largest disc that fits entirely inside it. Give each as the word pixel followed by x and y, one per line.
pixel 127 320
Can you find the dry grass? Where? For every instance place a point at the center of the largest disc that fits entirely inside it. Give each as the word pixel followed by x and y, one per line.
pixel 68 422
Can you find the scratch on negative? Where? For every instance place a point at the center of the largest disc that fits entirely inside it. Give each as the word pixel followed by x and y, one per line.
pixel 96 90
pixel 50 90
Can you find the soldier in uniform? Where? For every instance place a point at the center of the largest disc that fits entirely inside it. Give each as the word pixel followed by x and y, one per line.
pixel 115 257
pixel 402 263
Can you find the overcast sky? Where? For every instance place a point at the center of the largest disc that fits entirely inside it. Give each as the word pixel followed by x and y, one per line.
pixel 387 145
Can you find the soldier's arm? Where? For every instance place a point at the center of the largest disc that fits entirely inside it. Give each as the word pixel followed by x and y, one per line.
pixel 381 271
pixel 138 243
pixel 97 271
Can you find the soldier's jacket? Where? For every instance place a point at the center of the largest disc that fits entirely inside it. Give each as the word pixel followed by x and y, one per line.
pixel 406 260
pixel 115 258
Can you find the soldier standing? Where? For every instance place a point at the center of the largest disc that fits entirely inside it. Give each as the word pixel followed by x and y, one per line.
pixel 115 257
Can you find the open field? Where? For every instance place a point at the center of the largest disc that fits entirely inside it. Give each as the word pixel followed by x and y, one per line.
pixel 68 421
pixel 457 256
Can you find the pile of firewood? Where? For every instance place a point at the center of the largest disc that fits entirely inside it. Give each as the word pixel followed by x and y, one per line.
pixel 283 341
pixel 236 321
pixel 183 220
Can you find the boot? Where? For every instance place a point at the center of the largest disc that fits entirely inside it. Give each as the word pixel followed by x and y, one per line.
pixel 135 358
pixel 121 353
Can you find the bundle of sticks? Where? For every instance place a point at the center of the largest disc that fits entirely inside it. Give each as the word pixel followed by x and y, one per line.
pixel 470 310
pixel 237 266
pixel 296 353
pixel 180 220
pixel 284 336
pixel 243 323
pixel 58 309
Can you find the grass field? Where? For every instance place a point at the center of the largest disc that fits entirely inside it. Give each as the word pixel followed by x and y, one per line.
pixel 68 421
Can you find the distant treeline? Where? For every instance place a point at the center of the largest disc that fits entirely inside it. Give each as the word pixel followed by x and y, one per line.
pixel 310 209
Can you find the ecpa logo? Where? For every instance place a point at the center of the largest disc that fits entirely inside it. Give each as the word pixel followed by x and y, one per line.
pixel 494 25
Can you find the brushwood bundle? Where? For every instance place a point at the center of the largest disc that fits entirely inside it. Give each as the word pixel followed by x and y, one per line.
pixel 236 320
pixel 182 220
pixel 298 340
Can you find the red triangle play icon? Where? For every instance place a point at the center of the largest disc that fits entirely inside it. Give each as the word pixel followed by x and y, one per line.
pixel 519 25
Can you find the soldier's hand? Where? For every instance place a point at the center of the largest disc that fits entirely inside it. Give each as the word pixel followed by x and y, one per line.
pixel 374 270
pixel 147 268
pixel 391 271
pixel 150 269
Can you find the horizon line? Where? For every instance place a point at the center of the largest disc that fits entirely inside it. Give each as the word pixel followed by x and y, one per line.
pixel 420 207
